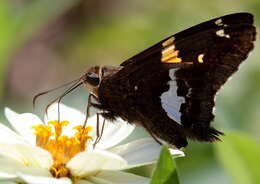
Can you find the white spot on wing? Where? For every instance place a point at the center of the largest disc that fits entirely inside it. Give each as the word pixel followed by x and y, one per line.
pixel 221 33
pixel 171 103
pixel 219 22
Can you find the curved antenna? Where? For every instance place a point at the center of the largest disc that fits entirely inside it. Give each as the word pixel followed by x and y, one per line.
pixel 59 98
pixel 51 90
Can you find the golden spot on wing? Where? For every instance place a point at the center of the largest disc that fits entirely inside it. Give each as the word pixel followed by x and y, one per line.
pixel 170 55
pixel 200 58
pixel 168 42
pixel 173 60
pixel 168 50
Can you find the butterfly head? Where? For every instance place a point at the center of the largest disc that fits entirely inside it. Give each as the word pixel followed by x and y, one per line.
pixel 92 78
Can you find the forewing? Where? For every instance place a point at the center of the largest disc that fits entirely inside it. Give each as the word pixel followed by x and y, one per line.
pixel 224 21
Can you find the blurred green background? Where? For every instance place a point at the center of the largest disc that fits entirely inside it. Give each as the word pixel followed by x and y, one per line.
pixel 44 43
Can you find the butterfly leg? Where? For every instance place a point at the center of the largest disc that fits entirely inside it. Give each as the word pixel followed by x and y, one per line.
pixel 99 134
pixel 90 104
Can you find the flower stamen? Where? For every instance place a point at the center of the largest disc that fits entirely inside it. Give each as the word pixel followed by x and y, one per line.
pixel 61 147
pixel 59 170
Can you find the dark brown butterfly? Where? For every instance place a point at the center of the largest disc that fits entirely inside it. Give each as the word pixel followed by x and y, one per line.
pixel 169 88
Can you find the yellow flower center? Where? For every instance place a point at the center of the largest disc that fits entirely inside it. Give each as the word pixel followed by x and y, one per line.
pixel 61 147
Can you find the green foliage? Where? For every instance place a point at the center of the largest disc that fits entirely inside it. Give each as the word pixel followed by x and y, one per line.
pixel 165 172
pixel 239 155
pixel 19 26
pixel 5 33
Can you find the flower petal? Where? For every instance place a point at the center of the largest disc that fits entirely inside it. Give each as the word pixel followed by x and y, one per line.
pixel 141 152
pixel 12 136
pixel 40 176
pixel 7 176
pixel 91 162
pixel 27 155
pixel 72 115
pixel 118 177
pixel 35 171
pixel 23 123
pixel 176 153
pixel 114 132
pixel 83 182
pixel 8 168
pixel 8 182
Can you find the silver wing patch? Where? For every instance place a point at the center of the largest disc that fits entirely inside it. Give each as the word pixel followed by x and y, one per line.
pixel 171 103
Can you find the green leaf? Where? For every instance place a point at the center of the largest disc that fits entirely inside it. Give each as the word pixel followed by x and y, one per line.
pixel 165 172
pixel 239 155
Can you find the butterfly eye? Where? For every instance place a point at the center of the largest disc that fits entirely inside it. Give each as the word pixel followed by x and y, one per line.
pixel 92 79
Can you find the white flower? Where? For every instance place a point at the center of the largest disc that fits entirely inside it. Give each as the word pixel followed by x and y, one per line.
pixel 33 158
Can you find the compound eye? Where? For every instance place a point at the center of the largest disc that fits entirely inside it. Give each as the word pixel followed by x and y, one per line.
pixel 93 79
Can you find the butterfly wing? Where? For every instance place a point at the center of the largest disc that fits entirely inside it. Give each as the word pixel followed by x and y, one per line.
pixel 170 87
pixel 230 20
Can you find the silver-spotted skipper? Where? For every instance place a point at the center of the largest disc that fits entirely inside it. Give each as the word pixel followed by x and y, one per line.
pixel 169 88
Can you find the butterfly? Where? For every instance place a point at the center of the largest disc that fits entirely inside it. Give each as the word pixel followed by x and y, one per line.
pixel 169 89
